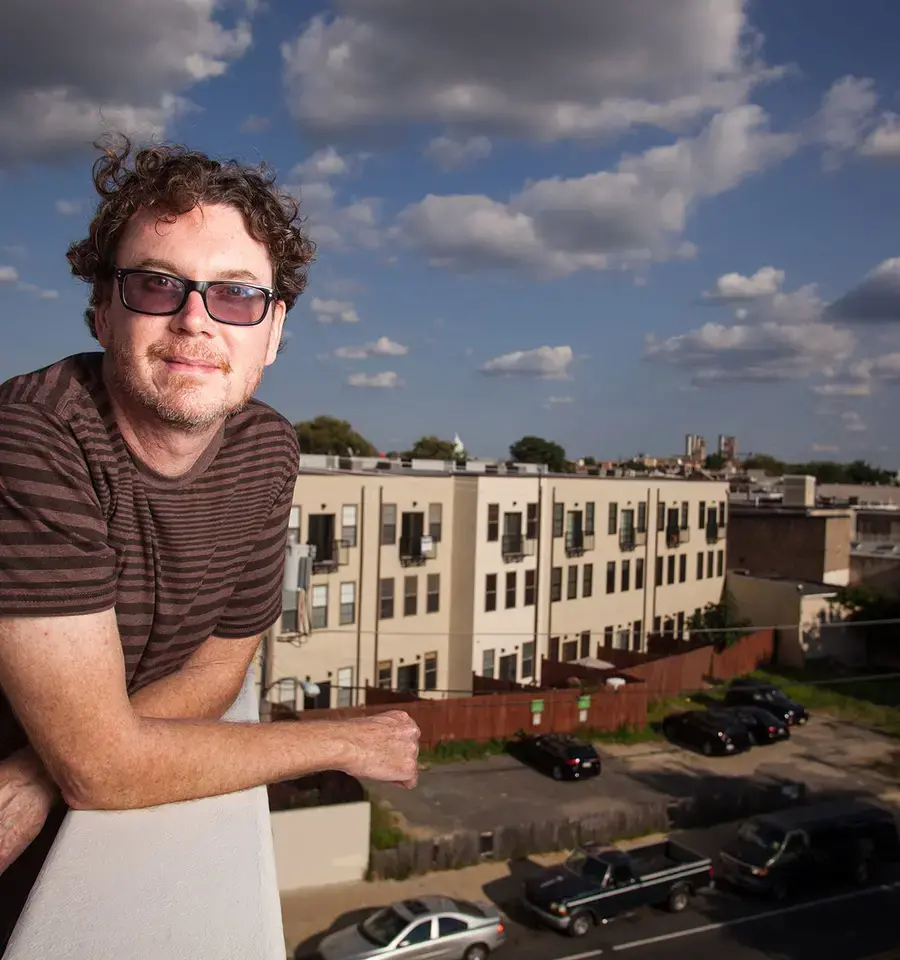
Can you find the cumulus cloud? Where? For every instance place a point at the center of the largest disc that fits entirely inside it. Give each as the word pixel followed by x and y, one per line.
pixel 382 347
pixel 123 66
pixel 734 286
pixel 824 448
pixel 875 300
pixel 883 143
pixel 453 153
pixel 386 380
pixel 559 401
pixel 531 68
pixel 8 274
pixel 845 116
pixel 542 363
pixel 333 311
pixel 853 422
pixel 68 208
pixel 321 165
pixel 255 124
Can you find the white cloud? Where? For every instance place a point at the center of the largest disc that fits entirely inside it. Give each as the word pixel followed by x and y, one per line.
pixel 734 286
pixel 333 311
pixel 8 274
pixel 382 347
pixel 453 153
pixel 528 70
pixel 875 300
pixel 559 401
pixel 883 143
pixel 542 363
pixel 68 208
pixel 386 380
pixel 122 66
pixel 255 124
pixel 845 116
pixel 844 388
pixel 824 448
pixel 321 165
pixel 853 422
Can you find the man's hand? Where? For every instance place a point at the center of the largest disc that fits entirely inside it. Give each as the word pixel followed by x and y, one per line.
pixel 27 795
pixel 384 747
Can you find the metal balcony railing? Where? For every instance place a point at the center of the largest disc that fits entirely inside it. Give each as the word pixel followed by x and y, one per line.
pixel 714 533
pixel 516 546
pixel 414 551
pixel 578 543
pixel 675 536
pixel 630 539
pixel 330 556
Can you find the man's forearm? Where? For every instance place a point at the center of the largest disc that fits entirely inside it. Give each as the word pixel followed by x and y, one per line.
pixel 200 693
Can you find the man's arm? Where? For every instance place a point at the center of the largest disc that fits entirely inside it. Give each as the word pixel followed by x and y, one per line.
pixel 65 679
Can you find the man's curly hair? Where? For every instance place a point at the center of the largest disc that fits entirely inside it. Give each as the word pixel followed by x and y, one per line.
pixel 169 180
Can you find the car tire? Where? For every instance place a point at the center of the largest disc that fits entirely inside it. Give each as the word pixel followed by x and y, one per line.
pixel 679 898
pixel 478 951
pixel 779 892
pixel 752 738
pixel 707 748
pixel 557 772
pixel 862 873
pixel 580 924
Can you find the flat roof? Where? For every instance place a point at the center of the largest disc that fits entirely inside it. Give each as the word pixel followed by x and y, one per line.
pixel 831 809
pixel 808 588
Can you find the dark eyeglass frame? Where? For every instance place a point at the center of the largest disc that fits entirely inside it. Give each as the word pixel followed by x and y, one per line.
pixel 200 286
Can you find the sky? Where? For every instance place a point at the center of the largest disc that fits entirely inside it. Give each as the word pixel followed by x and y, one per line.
pixel 605 222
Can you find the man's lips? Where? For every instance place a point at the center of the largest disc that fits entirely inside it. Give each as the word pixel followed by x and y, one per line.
pixel 192 363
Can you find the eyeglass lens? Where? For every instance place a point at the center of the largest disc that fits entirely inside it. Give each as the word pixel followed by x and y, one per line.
pixel 227 301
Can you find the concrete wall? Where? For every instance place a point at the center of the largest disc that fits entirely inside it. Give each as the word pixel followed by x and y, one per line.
pixel 882 573
pixel 316 846
pixel 770 603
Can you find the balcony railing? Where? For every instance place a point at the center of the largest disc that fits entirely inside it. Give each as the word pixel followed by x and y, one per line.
pixel 578 543
pixel 414 551
pixel 516 546
pixel 675 536
pixel 333 554
pixel 714 533
pixel 630 539
pixel 184 881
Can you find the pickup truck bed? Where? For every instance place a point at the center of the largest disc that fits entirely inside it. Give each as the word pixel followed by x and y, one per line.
pixel 656 857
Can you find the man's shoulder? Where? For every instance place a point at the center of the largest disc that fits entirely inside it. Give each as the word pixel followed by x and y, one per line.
pixel 260 433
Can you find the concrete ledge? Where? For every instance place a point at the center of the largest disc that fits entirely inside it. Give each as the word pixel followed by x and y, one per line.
pixel 185 881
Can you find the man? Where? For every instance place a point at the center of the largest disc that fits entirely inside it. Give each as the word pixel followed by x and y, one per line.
pixel 144 499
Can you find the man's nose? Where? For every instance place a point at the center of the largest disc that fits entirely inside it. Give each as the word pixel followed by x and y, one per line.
pixel 193 317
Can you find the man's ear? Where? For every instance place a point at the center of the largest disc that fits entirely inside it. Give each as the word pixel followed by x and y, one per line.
pixel 279 312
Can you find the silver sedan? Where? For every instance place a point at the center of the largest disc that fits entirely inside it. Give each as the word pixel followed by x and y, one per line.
pixel 432 927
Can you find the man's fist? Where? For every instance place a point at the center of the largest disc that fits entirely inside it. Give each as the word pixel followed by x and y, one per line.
pixel 384 747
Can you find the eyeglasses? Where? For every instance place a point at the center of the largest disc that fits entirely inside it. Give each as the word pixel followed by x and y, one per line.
pixel 162 295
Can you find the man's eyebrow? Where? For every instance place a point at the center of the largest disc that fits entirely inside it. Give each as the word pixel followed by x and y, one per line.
pixel 167 266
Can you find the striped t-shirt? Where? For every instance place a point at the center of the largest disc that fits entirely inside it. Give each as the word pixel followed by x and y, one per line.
pixel 85 526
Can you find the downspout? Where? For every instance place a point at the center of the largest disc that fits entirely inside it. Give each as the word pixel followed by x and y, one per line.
pixel 362 562
pixel 378 584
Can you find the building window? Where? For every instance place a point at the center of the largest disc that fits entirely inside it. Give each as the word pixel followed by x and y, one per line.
pixel 720 563
pixel 431 671
pixel 660 516
pixel 487 663
pixel 611 576
pixel 435 522
pixel 529 588
pixel 685 507
pixel 385 674
pixel 348 524
pixel 636 630
pixel 670 567
pixel 348 604
pixel 607 636
pixel 388 524
pixel 642 517
pixel 559 519
pixel 682 568
pixel 289 618
pixel 531 521
pixel 490 592
pixel 410 596
pixel 722 509
pixel 710 563
pixel 587 581
pixel 658 579
pixel 510 589
pixel 572 582
pixel 386 598
pixel 585 643
pixel 553 650
pixel 701 515
pixel 319 607
pixel 433 593
pixel 320 533
pixel 699 566
pixel 639 573
pixel 570 651
pixel 626 575
pixel 345 687
pixel 679 626
pixel 613 524
pixel 669 627
pixel 589 519
pixel 657 625
pixel 528 659
pixel 556 585
pixel 493 522
pixel 408 677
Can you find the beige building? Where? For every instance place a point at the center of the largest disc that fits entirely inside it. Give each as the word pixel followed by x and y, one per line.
pixel 424 574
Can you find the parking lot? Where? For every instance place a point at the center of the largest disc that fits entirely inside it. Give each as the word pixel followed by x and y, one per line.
pixel 485 794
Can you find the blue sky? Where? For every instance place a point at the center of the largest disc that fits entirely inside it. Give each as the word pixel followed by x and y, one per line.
pixel 609 223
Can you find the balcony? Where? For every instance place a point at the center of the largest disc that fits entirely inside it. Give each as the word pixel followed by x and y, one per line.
pixel 675 537
pixel 330 556
pixel 184 881
pixel 415 551
pixel 516 546
pixel 630 539
pixel 578 543
pixel 714 533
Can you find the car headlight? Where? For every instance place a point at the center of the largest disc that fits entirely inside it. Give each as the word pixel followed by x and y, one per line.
pixel 558 908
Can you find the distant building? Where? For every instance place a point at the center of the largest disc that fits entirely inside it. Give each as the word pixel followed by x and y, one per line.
pixel 694 447
pixel 728 448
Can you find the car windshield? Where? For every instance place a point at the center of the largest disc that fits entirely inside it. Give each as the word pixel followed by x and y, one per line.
pixel 382 927
pixel 760 835
pixel 583 864
pixel 583 751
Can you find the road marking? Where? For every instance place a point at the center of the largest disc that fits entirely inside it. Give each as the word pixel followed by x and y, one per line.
pixel 582 956
pixel 780 912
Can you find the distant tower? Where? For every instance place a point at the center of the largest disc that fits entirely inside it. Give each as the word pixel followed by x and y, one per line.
pixel 694 447
pixel 728 448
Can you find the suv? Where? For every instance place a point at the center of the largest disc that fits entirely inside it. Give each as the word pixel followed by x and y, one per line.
pixel 755 693
pixel 562 756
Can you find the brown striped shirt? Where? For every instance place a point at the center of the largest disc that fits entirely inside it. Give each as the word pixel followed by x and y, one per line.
pixel 85 526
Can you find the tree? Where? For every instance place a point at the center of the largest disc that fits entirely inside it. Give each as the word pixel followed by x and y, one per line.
pixel 329 435
pixel 590 461
pixel 432 448
pixel 538 450
pixel 715 461
pixel 762 461
pixel 720 621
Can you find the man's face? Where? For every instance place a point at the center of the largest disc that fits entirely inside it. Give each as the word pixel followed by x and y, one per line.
pixel 147 353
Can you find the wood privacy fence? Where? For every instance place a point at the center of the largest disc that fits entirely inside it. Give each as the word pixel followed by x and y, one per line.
pixel 669 675
pixel 500 715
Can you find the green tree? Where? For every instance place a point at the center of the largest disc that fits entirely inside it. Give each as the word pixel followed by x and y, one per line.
pixel 762 461
pixel 538 450
pixel 590 461
pixel 715 461
pixel 721 623
pixel 432 448
pixel 637 465
pixel 329 435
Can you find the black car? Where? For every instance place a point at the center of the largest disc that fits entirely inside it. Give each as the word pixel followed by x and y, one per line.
pixel 707 731
pixel 562 756
pixel 763 726
pixel 770 698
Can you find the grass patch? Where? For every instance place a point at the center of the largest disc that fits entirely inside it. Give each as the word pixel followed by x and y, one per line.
pixel 453 751
pixel 384 834
pixel 658 710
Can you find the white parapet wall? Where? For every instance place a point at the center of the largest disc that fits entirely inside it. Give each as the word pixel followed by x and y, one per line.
pixel 315 846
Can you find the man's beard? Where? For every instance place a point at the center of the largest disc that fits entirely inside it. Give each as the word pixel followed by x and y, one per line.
pixel 179 404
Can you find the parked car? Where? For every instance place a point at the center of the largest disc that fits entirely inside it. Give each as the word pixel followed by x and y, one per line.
pixel 442 928
pixel 787 853
pixel 597 883
pixel 762 725
pixel 768 696
pixel 563 756
pixel 708 731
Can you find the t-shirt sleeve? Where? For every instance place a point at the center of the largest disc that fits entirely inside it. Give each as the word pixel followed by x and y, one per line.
pixel 55 558
pixel 255 603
